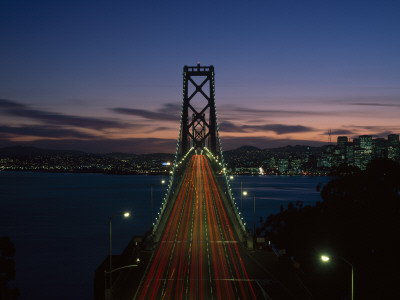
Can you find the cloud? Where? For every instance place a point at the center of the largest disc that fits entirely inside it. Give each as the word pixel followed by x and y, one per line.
pixel 16 109
pixel 384 134
pixel 151 130
pixel 377 101
pixel 171 108
pixel 339 132
pixel 228 109
pixel 152 145
pixel 169 112
pixel 133 145
pixel 280 128
pixel 229 143
pixel 42 131
pixel 373 128
pixel 227 126
pixel 374 104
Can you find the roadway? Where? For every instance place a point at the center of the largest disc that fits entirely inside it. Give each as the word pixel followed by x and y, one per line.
pixel 198 256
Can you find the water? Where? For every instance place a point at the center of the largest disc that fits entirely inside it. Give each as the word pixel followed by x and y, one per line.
pixel 272 192
pixel 59 223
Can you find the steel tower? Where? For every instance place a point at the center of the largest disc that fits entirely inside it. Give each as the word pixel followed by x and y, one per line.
pixel 198 129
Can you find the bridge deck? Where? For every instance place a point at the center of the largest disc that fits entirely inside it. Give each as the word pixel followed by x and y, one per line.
pixel 198 256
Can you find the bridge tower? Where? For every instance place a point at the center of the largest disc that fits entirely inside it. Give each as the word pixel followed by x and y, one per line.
pixel 199 127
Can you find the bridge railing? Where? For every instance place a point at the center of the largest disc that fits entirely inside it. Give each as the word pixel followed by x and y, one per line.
pixel 175 177
pixel 226 186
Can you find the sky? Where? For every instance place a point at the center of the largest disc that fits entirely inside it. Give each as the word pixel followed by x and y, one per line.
pixel 106 76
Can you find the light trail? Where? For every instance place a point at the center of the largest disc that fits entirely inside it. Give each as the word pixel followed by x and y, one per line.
pixel 198 254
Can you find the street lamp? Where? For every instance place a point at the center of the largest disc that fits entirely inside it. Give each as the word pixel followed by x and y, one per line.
pixel 254 211
pixel 125 215
pixel 254 217
pixel 162 189
pixel 326 259
pixel 241 196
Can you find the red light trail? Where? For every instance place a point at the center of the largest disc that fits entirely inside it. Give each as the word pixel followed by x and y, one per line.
pixel 198 255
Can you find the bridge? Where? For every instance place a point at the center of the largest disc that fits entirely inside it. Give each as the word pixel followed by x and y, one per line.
pixel 198 246
pixel 198 231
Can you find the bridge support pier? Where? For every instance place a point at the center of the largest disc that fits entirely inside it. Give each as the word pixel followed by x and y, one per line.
pixel 250 240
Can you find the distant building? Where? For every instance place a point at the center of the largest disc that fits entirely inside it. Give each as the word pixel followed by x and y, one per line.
pixel 365 150
pixel 295 166
pixel 324 161
pixel 308 155
pixel 366 142
pixel 379 147
pixel 341 143
pixel 393 147
pixel 349 159
pixel 283 165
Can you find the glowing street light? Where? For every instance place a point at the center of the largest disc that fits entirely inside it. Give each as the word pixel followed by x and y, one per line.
pixel 326 259
pixel 244 193
pixel 162 187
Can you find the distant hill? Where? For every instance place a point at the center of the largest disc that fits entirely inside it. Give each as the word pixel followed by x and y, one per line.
pixel 22 151
pixel 297 149
pixel 18 151
pixel 246 148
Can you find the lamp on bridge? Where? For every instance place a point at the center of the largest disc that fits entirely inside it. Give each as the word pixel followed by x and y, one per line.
pixel 162 188
pixel 326 259
pixel 244 193
pixel 108 292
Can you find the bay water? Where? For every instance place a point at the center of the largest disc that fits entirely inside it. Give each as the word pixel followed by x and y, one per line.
pixel 59 223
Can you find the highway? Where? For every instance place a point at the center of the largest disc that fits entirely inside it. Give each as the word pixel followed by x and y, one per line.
pixel 198 256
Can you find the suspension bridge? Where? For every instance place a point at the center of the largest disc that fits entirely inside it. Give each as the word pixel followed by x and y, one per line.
pixel 197 254
pixel 199 243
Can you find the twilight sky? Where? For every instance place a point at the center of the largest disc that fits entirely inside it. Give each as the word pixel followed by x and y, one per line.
pixel 105 76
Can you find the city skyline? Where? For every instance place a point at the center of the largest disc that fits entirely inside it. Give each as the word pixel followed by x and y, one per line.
pixel 98 77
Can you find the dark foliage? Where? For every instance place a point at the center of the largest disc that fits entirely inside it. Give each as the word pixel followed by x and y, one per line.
pixel 359 220
pixel 7 269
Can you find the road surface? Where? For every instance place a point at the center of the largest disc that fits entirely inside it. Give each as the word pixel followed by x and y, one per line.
pixel 198 256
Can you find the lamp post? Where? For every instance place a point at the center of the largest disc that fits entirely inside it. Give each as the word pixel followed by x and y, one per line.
pixel 254 211
pixel 151 206
pixel 125 215
pixel 241 196
pixel 254 217
pixel 244 193
pixel 326 258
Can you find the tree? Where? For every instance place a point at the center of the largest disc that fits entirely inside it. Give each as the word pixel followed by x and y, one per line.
pixel 359 219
